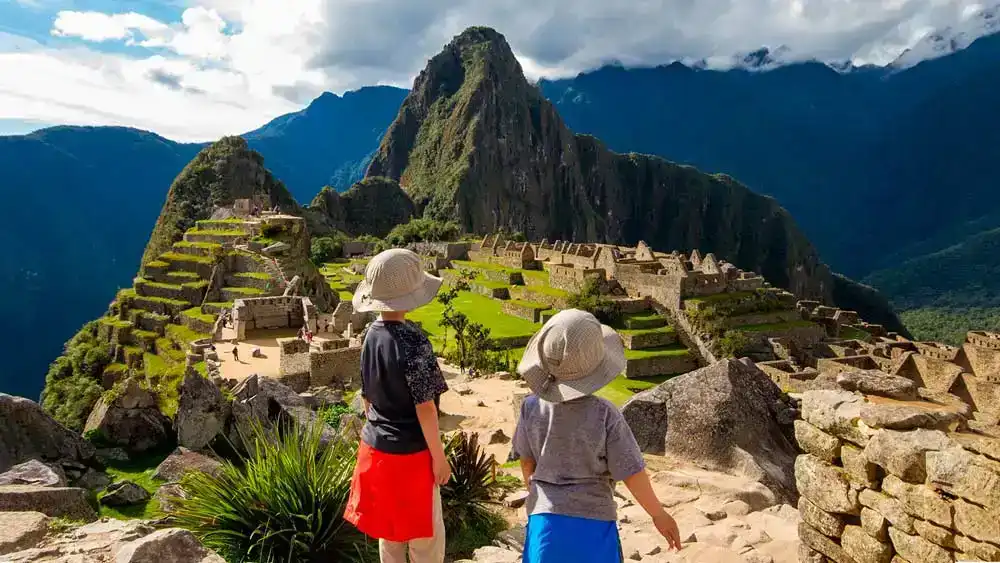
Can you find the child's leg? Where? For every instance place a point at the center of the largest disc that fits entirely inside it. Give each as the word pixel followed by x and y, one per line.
pixel 431 550
pixel 391 551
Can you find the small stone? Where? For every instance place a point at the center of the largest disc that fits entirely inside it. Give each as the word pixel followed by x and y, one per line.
pixel 874 524
pixel 718 535
pixel 825 485
pixel 875 382
pixel 903 453
pixel 714 514
pixel 21 530
pixel 635 555
pixel 916 548
pixel 124 493
pixel 982 550
pixel 735 508
pixel 516 499
pixel 480 404
pixel 889 508
pixel 754 556
pixel 107 455
pixel 863 548
pixel 977 523
pixel 166 546
pixel 935 534
pixel 462 389
pixel 815 441
pixel 857 466
pixel 184 460
pixel 93 480
pixel 498 437
pixel 830 525
pixel 33 472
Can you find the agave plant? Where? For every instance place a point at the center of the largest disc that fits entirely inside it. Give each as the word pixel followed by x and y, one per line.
pixel 470 495
pixel 284 504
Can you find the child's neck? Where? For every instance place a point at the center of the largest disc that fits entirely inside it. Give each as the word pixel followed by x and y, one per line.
pixel 393 316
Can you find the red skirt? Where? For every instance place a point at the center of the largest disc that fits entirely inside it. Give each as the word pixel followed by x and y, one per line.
pixel 392 495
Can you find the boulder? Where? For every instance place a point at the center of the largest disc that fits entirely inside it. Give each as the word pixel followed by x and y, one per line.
pixel 184 460
pixel 34 472
pixel 267 402
pixel 724 417
pixel 172 545
pixel 907 417
pixel 202 412
pixel 124 493
pixel 904 453
pixel 21 530
pixel 130 419
pixel 93 480
pixel 875 382
pixel 825 485
pixel 168 495
pixel 27 433
pixel 98 541
pixel 834 412
pixel 63 502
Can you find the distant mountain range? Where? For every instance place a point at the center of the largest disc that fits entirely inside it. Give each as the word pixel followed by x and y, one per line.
pixel 883 169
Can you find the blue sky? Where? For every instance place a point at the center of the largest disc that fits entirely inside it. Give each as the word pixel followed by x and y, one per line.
pixel 194 70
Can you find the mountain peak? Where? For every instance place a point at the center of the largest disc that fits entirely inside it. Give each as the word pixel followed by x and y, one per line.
pixel 943 42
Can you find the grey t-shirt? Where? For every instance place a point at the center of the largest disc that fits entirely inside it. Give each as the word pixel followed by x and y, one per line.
pixel 580 448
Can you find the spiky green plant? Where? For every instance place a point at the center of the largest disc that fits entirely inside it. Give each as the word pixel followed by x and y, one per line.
pixel 284 504
pixel 470 496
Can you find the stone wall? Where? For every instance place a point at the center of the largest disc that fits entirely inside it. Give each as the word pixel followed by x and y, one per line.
pixel 293 356
pixel 256 313
pixel 572 279
pixel 447 250
pixel 891 481
pixel 335 368
pixel 524 310
pixel 660 365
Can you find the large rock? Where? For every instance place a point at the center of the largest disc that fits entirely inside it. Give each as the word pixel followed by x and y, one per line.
pixel 202 412
pixel 184 460
pixel 64 502
pixel 125 493
pixel 21 530
pixel 825 485
pixel 269 403
pixel 27 433
pixel 904 453
pixel 875 382
pixel 835 412
pixel 167 546
pixel 725 417
pixel 131 420
pixel 34 472
pixel 907 416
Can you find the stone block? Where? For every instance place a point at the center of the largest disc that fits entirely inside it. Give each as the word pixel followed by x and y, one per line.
pixel 919 500
pixel 21 530
pixel 863 548
pixel 967 475
pixel 976 522
pixel 831 525
pixel 917 549
pixel 293 345
pixel 56 502
pixel 817 541
pixel 978 443
pixel 825 485
pixel 903 453
pixel 875 382
pixel 981 550
pixel 809 555
pixel 834 412
pixel 985 394
pixel 935 534
pixel 904 417
pixel 815 441
pixel 857 466
pixel 874 524
pixel 889 508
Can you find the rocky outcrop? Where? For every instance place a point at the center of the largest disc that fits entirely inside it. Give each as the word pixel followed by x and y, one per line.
pixel 34 472
pixel 728 416
pixel 20 530
pixel 124 493
pixel 265 402
pixel 201 413
pixel 27 433
pixel 474 141
pixel 63 502
pixel 121 541
pixel 183 461
pixel 373 206
pixel 130 417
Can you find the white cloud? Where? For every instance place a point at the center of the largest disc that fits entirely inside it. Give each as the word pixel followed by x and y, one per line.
pixel 229 65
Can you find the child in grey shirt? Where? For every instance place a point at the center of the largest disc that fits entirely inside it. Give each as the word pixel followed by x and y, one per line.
pixel 573 446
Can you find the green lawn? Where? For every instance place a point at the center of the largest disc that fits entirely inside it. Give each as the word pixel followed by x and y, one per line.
pixel 178 257
pixel 661 351
pixel 195 313
pixel 541 275
pixel 775 326
pixel 253 275
pixel 719 297
pixel 186 244
pixel 139 471
pixel 621 388
pixel 667 329
pixel 480 309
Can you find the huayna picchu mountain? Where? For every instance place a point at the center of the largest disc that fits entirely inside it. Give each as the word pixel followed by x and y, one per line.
pixel 475 142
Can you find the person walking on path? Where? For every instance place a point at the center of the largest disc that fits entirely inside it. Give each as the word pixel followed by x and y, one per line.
pixel 236 354
pixel 395 491
pixel 573 446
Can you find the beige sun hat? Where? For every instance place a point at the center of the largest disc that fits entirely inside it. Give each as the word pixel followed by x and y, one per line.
pixel 395 280
pixel 572 356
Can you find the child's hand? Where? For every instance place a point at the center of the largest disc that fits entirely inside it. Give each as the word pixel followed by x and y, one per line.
pixel 442 469
pixel 667 527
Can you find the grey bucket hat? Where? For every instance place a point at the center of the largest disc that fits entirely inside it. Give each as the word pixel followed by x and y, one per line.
pixel 395 280
pixel 572 356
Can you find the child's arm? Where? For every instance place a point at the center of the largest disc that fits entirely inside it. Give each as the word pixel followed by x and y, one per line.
pixel 527 470
pixel 640 487
pixel 428 416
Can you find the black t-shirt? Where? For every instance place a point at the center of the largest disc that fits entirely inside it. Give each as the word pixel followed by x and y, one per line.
pixel 398 372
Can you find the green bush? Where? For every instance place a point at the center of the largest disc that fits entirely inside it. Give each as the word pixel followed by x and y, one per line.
pixel 733 343
pixel 591 300
pixel 422 230
pixel 72 384
pixel 285 504
pixel 470 497
pixel 331 414
pixel 326 249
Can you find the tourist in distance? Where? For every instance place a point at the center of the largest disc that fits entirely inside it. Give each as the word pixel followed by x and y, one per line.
pixel 395 492
pixel 573 445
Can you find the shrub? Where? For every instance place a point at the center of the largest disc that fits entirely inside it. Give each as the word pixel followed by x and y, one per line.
pixel 331 414
pixel 591 300
pixel 285 504
pixel 422 230
pixel 326 249
pixel 733 343
pixel 470 496
pixel 72 384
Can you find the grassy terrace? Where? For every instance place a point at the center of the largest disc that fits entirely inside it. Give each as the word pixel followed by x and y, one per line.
pixel 479 308
pixel 164 300
pixel 181 277
pixel 182 335
pixel 774 327
pixel 208 245
pixel 547 290
pixel 178 257
pixel 253 275
pixel 621 388
pixel 530 304
pixel 490 284
pixel 195 313
pixel 851 333
pixel 719 298
pixel 481 266
pixel 158 264
pixel 217 232
pixel 656 352
pixel 114 322
pixel 195 283
pixel 663 329
pixel 248 291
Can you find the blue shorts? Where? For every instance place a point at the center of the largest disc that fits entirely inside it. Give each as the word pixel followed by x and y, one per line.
pixel 554 538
